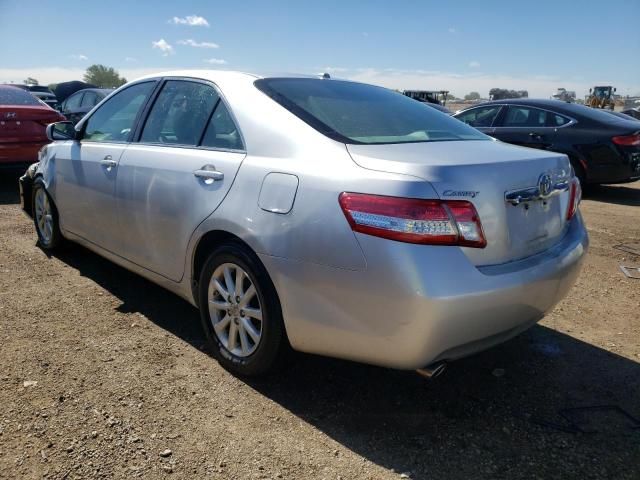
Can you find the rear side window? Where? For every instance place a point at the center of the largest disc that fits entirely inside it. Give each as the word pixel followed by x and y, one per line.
pixel 222 131
pixel 73 101
pixel 16 96
pixel 351 112
pixel 480 117
pixel 180 113
pixel 114 119
pixel 90 99
pixel 525 117
pixel 558 120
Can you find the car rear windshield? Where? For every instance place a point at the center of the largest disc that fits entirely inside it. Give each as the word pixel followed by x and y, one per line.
pixel 351 112
pixel 15 96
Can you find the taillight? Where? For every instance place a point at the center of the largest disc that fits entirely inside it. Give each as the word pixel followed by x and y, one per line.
pixel 575 195
pixel 412 220
pixel 627 140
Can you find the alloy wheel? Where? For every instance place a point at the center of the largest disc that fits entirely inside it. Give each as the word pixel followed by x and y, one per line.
pixel 235 310
pixel 44 215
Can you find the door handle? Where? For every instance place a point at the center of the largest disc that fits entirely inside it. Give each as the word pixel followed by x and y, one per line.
pixel 209 174
pixel 535 135
pixel 108 162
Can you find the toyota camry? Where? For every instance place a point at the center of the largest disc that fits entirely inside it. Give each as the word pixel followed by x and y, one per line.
pixel 329 216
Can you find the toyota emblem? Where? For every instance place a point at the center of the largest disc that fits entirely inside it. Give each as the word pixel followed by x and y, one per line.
pixel 545 184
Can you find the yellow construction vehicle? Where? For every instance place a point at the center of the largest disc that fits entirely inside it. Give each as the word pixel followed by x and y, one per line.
pixel 601 97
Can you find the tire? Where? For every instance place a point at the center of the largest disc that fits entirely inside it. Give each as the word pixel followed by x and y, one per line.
pixel 241 356
pixel 45 217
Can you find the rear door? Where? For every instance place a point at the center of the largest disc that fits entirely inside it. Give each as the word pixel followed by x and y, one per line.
pixel 177 173
pixel 526 126
pixel 86 170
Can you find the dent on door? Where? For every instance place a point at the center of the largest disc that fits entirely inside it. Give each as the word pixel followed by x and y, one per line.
pixel 278 192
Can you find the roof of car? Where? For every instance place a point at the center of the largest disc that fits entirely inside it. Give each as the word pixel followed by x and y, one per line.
pixel 95 90
pixel 229 75
pixel 540 102
pixel 212 75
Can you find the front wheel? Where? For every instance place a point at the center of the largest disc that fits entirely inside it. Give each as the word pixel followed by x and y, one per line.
pixel 240 311
pixel 45 217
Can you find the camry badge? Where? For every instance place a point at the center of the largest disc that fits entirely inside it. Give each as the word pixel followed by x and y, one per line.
pixel 460 193
pixel 545 185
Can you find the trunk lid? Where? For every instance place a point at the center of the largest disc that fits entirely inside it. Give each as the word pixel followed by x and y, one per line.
pixel 483 172
pixel 20 123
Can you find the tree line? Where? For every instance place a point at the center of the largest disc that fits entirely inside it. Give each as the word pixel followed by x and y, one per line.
pixel 99 75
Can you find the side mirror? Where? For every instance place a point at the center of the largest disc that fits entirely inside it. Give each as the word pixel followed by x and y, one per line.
pixel 615 89
pixel 61 131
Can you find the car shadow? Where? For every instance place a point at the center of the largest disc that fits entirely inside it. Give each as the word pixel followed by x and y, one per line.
pixel 9 190
pixel 618 194
pixel 544 405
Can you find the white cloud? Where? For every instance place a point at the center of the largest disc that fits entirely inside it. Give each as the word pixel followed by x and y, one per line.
pixel 452 30
pixel 130 59
pixel 192 43
pixel 334 70
pixel 191 20
pixel 163 46
pixel 79 57
pixel 215 61
pixel 474 64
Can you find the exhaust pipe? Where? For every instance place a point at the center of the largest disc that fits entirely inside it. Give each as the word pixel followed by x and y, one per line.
pixel 432 371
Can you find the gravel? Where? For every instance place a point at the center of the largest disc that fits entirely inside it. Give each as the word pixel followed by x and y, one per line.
pixel 124 389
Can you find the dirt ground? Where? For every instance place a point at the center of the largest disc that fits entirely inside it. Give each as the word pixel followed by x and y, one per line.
pixel 124 389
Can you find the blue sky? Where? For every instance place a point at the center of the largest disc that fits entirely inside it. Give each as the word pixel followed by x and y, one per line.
pixel 461 46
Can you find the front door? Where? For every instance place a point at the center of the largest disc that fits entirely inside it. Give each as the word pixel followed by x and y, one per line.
pixel 483 118
pixel 86 169
pixel 176 175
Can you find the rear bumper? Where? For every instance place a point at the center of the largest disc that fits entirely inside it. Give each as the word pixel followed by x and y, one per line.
pixel 12 154
pixel 414 304
pixel 615 167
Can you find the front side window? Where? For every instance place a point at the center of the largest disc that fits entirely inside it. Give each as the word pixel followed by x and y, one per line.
pixel 180 113
pixel 479 117
pixel 115 119
pixel 351 112
pixel 525 117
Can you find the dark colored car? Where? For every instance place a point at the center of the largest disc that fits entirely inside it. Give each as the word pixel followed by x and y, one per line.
pixel 41 92
pixel 65 89
pixel 80 103
pixel 633 112
pixel 602 148
pixel 23 120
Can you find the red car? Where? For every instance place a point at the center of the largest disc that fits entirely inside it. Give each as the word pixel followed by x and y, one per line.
pixel 23 121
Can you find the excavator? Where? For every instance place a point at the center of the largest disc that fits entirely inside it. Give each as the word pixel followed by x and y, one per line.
pixel 601 97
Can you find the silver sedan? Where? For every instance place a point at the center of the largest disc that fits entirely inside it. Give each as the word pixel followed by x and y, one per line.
pixel 329 216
